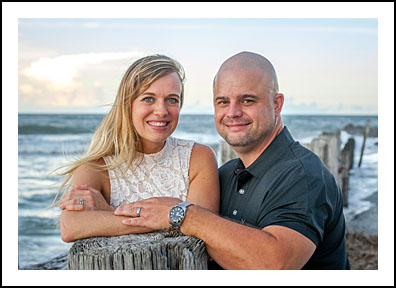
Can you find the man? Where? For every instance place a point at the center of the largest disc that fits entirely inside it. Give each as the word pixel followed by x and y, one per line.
pixel 280 206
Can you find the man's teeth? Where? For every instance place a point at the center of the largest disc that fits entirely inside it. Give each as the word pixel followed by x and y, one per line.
pixel 159 124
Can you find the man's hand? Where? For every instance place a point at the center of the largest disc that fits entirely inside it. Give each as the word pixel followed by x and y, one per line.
pixel 84 197
pixel 154 212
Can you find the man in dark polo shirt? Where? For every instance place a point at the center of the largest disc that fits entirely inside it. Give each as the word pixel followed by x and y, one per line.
pixel 280 206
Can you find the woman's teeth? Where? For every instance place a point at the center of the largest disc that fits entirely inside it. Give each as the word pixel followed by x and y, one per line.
pixel 158 124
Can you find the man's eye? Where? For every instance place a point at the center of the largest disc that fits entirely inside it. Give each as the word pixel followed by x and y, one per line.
pixel 247 101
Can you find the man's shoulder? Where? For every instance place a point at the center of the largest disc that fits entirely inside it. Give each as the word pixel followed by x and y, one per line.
pixel 229 166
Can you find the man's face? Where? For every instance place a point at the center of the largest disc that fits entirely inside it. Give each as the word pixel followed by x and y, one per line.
pixel 244 109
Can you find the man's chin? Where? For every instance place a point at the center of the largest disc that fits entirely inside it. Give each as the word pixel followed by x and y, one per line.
pixel 236 142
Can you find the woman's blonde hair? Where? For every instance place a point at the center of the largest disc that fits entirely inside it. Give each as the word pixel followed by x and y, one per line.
pixel 116 134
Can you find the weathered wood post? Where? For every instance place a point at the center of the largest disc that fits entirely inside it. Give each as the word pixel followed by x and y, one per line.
pixel 160 250
pixel 366 133
pixel 327 147
pixel 347 155
pixel 226 152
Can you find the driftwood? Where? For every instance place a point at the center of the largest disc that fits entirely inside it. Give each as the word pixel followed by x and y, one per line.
pixel 158 250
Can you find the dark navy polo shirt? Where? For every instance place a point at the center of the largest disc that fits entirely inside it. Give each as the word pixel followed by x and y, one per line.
pixel 288 185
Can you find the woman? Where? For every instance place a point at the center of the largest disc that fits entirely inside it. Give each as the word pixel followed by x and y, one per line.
pixel 132 156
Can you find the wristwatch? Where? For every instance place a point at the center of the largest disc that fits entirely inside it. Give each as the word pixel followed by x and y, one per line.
pixel 177 214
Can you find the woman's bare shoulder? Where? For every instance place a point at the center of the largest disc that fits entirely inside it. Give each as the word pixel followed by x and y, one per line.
pixel 88 173
pixel 202 158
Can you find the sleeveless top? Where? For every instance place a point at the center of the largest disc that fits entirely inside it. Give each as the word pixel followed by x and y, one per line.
pixel 161 174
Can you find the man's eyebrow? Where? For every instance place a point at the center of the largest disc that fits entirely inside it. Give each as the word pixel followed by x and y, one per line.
pixel 247 96
pixel 221 98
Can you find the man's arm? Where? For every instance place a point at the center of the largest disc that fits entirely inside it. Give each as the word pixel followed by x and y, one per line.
pixel 237 246
pixel 232 245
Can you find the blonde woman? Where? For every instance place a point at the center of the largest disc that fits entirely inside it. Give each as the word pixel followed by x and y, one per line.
pixel 133 157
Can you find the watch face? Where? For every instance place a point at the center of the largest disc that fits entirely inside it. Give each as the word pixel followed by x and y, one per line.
pixel 176 214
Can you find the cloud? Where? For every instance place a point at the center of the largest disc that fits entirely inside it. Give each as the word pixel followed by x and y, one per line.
pixel 75 80
pixel 61 71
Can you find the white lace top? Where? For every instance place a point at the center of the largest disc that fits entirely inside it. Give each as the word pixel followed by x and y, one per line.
pixel 160 174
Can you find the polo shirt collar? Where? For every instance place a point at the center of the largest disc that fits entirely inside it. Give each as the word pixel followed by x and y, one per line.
pixel 270 155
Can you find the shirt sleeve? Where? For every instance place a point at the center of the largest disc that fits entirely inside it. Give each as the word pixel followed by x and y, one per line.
pixel 299 204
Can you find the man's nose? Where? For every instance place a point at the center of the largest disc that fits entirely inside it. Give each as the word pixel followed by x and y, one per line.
pixel 161 109
pixel 234 110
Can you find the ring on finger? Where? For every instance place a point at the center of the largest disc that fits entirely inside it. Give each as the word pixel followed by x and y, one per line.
pixel 138 211
pixel 82 202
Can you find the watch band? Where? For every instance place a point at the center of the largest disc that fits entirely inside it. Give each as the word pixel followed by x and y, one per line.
pixel 184 204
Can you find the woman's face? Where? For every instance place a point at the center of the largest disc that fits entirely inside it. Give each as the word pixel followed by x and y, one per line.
pixel 155 113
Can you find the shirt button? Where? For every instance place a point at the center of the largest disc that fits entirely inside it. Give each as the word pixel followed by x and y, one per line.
pixel 241 191
pixel 235 212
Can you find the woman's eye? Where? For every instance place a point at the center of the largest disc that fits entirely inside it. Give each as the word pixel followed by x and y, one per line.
pixel 173 100
pixel 148 99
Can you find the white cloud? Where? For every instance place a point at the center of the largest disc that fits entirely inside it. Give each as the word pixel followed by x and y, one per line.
pixel 61 71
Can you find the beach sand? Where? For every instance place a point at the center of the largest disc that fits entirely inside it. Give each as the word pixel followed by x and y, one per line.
pixel 362 238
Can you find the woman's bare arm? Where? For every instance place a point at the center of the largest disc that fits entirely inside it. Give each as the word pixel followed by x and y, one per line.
pixel 204 187
pixel 83 223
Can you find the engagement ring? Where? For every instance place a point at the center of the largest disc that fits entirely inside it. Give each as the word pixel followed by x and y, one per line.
pixel 138 211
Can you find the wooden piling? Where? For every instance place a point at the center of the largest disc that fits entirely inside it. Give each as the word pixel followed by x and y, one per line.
pixel 160 250
pixel 347 156
pixel 366 133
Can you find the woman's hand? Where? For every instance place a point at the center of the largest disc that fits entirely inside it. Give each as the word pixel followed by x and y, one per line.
pixel 153 212
pixel 84 197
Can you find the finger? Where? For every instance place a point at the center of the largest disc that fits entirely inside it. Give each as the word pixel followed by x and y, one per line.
pixel 128 210
pixel 85 187
pixel 74 207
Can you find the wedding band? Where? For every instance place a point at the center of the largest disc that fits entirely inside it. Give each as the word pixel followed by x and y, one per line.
pixel 138 211
pixel 82 202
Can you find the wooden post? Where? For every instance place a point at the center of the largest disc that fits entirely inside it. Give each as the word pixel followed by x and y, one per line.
pixel 364 140
pixel 160 250
pixel 226 153
pixel 347 155
pixel 327 147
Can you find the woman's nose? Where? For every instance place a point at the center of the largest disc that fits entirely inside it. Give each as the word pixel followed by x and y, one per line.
pixel 161 109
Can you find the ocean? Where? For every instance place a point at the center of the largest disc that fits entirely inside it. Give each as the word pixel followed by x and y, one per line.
pixel 47 141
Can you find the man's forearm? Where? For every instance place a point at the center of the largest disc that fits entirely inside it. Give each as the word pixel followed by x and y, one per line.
pixel 232 245
pixel 85 224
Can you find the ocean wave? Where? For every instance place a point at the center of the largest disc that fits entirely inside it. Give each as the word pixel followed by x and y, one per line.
pixel 28 129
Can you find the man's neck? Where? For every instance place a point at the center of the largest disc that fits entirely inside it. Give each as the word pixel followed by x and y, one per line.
pixel 249 156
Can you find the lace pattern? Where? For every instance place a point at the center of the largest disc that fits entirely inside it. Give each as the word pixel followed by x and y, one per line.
pixel 162 174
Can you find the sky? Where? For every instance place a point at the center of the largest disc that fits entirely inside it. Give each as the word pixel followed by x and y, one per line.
pixel 331 58
pixel 75 65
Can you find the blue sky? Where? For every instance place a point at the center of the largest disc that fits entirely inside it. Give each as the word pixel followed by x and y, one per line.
pixel 324 65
